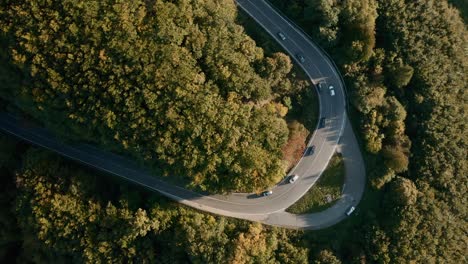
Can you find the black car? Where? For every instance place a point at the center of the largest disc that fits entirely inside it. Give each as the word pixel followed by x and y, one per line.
pixel 320 86
pixel 309 150
pixel 323 122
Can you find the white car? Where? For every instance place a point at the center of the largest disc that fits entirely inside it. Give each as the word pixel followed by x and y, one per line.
pixel 267 193
pixel 293 178
pixel 332 90
pixel 350 210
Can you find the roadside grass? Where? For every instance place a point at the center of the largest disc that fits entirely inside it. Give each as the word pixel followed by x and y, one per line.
pixel 325 192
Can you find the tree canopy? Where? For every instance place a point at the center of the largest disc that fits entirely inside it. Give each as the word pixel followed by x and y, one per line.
pixel 63 213
pixel 404 63
pixel 177 84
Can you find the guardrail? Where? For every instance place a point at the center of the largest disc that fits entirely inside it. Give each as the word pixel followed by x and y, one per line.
pixel 315 43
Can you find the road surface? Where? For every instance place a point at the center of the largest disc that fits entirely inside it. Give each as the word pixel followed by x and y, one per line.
pixel 268 210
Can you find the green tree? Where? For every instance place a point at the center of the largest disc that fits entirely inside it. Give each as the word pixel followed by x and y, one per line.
pixel 395 158
pixel 404 191
pixel 326 257
pixel 359 29
pixel 377 245
pixel 400 74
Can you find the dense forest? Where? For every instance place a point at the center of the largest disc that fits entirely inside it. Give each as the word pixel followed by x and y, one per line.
pixel 405 67
pixel 406 70
pixel 61 213
pixel 147 78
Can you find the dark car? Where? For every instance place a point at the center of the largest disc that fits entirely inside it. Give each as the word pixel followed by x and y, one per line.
pixel 320 86
pixel 323 122
pixel 310 150
pixel 300 58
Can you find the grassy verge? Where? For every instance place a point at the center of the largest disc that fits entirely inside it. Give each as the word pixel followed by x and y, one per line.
pixel 325 192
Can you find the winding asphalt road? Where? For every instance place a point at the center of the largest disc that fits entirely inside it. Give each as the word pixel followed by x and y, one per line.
pixel 337 135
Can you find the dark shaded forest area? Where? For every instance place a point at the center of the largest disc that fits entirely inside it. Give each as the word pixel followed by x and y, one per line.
pixel 405 67
pixel 56 211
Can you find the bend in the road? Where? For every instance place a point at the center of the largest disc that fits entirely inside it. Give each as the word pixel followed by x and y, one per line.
pixel 269 210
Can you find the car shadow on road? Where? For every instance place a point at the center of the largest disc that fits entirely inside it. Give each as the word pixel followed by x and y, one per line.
pixel 310 176
pixel 283 181
pixel 253 196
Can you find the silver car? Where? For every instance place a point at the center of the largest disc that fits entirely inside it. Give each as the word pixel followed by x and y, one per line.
pixel 281 36
pixel 300 58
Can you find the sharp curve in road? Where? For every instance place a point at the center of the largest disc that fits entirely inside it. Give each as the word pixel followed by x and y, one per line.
pixel 337 135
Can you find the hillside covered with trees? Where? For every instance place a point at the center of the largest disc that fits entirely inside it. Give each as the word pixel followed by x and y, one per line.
pixel 54 211
pixel 406 70
pixel 176 84
pixel 405 67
